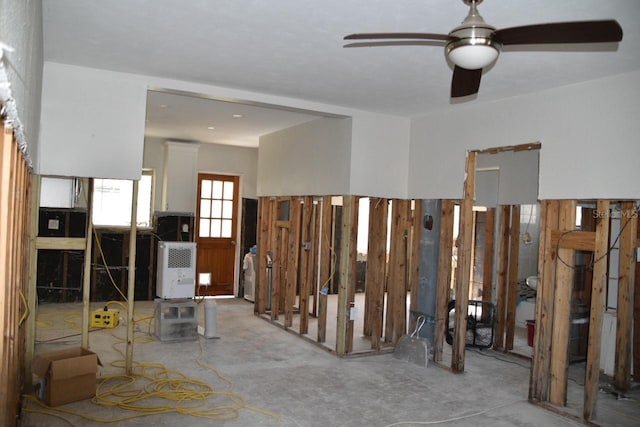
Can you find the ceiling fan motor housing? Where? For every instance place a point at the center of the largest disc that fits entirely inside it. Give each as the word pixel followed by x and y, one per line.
pixel 473 46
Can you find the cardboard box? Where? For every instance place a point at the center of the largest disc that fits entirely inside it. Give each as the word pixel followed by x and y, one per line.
pixel 66 375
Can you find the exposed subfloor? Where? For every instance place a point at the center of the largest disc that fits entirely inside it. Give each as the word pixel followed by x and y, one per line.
pixel 284 380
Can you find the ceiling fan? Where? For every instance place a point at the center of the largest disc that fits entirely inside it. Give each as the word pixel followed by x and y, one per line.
pixel 474 44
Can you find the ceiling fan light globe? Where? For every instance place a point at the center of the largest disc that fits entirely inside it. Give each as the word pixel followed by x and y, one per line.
pixel 473 56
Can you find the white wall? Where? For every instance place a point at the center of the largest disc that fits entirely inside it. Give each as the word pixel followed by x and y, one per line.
pixel 313 158
pixel 379 156
pixel 212 158
pixel 92 123
pixel 517 176
pixel 21 28
pixel 589 135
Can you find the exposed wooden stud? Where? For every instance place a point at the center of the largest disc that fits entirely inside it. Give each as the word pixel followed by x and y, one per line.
pixel 376 267
pixel 636 314
pixel 32 293
pixel 545 300
pixel 592 376
pixel 503 278
pixel 626 283
pixel 131 279
pixel 61 243
pixel 315 257
pixel 392 273
pixel 346 287
pixel 521 147
pixel 576 240
pixel 487 268
pixel 512 295
pixel 293 257
pixel 472 256
pixel 562 310
pixel 306 263
pixel 327 263
pixel 263 248
pixel 464 267
pixel 86 282
pixel 283 256
pixel 444 277
pixel 398 272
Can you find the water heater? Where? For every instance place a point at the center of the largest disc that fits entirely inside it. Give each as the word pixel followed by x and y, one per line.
pixel 176 272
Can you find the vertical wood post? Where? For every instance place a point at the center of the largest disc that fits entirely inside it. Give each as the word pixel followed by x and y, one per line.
pixel 131 289
pixel 444 278
pixel 32 294
pixel 636 314
pixel 263 248
pixel 327 263
pixel 306 263
pixel 86 277
pixel 489 244
pixel 464 267
pixel 293 257
pixel 512 296
pixel 376 266
pixel 562 309
pixel 414 257
pixel 592 376
pixel 346 287
pixel 626 283
pixel 503 277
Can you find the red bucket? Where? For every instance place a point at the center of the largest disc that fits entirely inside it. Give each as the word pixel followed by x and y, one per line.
pixel 531 330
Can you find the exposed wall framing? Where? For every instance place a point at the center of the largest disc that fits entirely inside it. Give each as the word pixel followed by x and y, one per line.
pixel 312 242
pixel 15 225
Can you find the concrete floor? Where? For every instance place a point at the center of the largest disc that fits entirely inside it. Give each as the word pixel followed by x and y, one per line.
pixel 302 384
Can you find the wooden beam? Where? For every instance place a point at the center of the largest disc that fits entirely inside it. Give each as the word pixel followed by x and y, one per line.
pixel 32 293
pixel 592 376
pixel 346 287
pixel 61 243
pixel 562 310
pixel 274 250
pixel 306 263
pixel 573 239
pixel 376 267
pixel 327 264
pixel 131 292
pixel 293 258
pixel 444 277
pixel 464 267
pixel 545 301
pixel 636 314
pixel 521 147
pixel 626 283
pixel 503 277
pixel 489 249
pixel 512 295
pixel 264 230
pixel 86 278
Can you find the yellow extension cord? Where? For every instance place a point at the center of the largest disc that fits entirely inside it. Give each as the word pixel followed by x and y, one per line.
pixel 153 381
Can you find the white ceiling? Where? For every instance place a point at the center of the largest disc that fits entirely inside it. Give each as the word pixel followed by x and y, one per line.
pixel 293 48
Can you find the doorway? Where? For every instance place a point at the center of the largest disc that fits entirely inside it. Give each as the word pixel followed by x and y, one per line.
pixel 216 233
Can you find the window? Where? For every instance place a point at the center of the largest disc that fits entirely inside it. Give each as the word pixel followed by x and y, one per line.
pixel 216 208
pixel 112 201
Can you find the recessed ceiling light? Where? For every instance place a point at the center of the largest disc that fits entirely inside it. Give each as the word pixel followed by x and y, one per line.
pixel 163 105
pixel 237 116
pixel 210 127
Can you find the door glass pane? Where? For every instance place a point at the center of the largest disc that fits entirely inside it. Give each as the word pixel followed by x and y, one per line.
pixel 226 228
pixel 227 209
pixel 215 228
pixel 205 208
pixel 217 209
pixel 205 189
pixel 217 190
pixel 204 228
pixel 228 191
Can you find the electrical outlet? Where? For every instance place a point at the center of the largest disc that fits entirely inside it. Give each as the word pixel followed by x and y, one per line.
pixel 353 313
pixel 637 254
pixel 54 224
pixel 185 228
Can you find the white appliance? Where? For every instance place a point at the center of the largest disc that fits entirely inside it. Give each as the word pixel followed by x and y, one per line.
pixel 176 272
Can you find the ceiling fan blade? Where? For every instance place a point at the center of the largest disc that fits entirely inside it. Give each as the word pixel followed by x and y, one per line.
pixel 561 32
pixel 465 82
pixel 397 43
pixel 420 36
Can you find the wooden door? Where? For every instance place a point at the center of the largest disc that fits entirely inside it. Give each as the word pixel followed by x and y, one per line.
pixel 216 229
